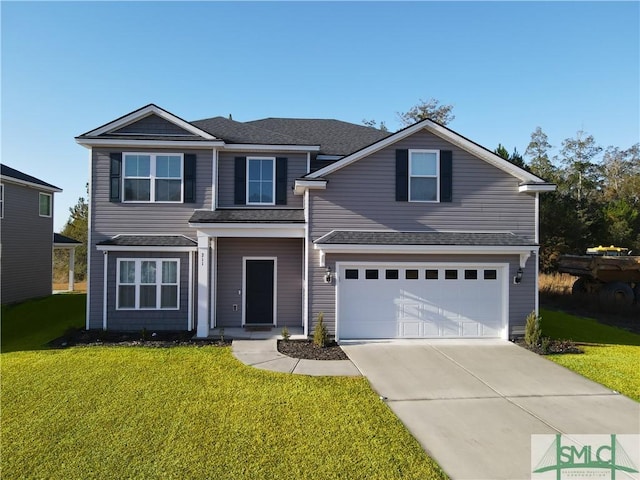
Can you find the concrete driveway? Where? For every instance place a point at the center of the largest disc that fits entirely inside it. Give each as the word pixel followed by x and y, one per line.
pixel 473 405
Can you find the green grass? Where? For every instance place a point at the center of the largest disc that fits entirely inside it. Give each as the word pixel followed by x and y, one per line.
pixel 613 362
pixel 189 412
pixel 31 324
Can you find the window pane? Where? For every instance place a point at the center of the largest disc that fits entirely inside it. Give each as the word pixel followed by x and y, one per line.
pixel 431 274
pixel 423 163
pixel 267 192
pixel 127 272
pixel 126 296
pixel 147 296
pixel 137 166
pixel 267 170
pixel 450 274
pixel 490 274
pixel 137 190
pixel 351 274
pixel 470 274
pixel 371 274
pixel 391 274
pixel 45 205
pixel 168 190
pixel 169 272
pixel 148 272
pixel 168 166
pixel 424 189
pixel 254 170
pixel 411 274
pixel 254 192
pixel 169 296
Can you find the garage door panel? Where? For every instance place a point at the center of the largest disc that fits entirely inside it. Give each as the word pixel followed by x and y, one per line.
pixel 420 301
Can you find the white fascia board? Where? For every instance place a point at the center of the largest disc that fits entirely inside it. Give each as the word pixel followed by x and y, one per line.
pixel 24 183
pixel 239 147
pixel 145 112
pixel 542 187
pixel 251 230
pixel 427 249
pixel 125 248
pixel 302 186
pixel 116 142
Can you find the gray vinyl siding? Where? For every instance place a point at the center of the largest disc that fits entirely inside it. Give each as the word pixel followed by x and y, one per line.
pixel 26 242
pixel 521 296
pixel 136 320
pixel 296 168
pixel 112 218
pixel 229 254
pixel 155 125
pixel 362 196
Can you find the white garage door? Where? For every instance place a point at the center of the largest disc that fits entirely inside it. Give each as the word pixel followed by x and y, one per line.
pixel 421 301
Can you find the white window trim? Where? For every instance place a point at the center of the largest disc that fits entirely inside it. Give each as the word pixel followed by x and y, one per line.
pixel 273 192
pixel 137 283
pixel 41 194
pixel 152 177
pixel 436 176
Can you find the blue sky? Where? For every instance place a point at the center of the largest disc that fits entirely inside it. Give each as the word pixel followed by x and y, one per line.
pixel 507 67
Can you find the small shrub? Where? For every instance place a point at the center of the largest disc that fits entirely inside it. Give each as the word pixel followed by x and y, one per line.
pixel 222 334
pixel 533 330
pixel 285 334
pixel 546 345
pixel 320 334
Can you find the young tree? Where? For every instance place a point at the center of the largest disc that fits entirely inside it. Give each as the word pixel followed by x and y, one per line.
pixel 77 227
pixel 431 109
pixel 537 152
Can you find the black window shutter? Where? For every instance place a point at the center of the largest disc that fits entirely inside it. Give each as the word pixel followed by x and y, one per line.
pixel 281 181
pixel 446 175
pixel 402 175
pixel 189 178
pixel 115 175
pixel 240 189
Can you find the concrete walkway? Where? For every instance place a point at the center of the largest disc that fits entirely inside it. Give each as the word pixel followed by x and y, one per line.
pixel 474 405
pixel 264 354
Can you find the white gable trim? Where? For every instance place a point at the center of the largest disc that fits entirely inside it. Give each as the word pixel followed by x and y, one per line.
pixel 442 132
pixel 145 112
pixel 25 183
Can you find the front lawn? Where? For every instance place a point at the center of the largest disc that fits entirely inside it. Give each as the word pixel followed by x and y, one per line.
pixel 613 362
pixel 190 412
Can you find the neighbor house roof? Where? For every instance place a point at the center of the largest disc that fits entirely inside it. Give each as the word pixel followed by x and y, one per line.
pixel 16 176
pixel 149 241
pixel 275 215
pixel 357 237
pixel 60 239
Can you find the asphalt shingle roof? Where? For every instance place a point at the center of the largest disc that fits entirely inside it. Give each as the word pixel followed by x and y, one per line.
pixel 149 241
pixel 335 137
pixel 59 238
pixel 354 237
pixel 7 171
pixel 274 215
pixel 238 132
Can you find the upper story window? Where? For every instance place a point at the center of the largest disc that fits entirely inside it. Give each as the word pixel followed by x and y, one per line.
pixel 152 177
pixel 424 174
pixel 261 181
pixel 44 204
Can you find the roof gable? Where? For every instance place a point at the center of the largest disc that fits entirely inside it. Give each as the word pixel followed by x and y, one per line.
pixel 151 116
pixel 445 134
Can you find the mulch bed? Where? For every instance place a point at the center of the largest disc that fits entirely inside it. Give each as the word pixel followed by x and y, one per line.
pixel 307 350
pixel 552 348
pixel 79 337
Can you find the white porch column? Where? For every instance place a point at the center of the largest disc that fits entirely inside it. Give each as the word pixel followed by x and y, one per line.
pixel 72 268
pixel 203 286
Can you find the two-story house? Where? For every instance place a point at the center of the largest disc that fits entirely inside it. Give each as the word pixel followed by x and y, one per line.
pixel 26 235
pixel 219 223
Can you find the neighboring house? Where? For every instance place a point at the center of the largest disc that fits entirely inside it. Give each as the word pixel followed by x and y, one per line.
pixel 26 231
pixel 220 223
pixel 62 242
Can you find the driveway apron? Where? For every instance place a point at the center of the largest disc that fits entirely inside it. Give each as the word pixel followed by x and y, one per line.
pixel 473 405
